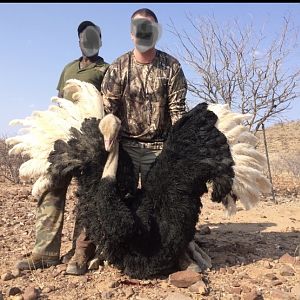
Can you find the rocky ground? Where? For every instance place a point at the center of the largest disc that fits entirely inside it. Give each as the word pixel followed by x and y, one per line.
pixel 255 255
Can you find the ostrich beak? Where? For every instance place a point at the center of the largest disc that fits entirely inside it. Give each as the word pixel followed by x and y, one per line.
pixel 108 144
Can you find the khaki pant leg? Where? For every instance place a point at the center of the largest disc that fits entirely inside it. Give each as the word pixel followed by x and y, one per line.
pixel 49 220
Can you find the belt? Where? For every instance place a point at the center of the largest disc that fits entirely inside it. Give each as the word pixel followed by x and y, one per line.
pixel 147 145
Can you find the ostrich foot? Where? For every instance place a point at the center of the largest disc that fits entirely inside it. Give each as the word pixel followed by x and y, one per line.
pixel 198 255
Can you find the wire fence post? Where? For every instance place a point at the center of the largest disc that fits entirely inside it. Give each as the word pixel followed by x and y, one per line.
pixel 268 161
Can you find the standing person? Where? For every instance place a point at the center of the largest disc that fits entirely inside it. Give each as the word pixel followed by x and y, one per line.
pixel 146 88
pixel 90 67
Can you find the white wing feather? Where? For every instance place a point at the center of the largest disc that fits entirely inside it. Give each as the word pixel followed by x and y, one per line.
pixel 43 128
pixel 249 180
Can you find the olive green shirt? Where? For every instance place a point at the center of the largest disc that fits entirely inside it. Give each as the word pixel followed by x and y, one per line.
pixel 93 73
pixel 148 98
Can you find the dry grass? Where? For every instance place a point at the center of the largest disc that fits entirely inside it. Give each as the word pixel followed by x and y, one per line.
pixel 283 142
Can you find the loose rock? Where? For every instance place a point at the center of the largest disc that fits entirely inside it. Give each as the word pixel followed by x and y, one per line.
pixel 31 293
pixel 184 278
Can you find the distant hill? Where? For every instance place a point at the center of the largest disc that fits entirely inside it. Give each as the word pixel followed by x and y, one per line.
pixel 283 142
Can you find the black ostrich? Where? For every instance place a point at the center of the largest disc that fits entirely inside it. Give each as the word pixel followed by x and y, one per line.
pixel 144 235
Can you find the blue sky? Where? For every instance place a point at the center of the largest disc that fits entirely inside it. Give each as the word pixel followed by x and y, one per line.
pixel 38 40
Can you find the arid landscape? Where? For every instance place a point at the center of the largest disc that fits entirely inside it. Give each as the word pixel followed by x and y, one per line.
pixel 255 254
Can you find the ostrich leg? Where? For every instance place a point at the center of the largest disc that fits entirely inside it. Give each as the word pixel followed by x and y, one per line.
pixel 202 259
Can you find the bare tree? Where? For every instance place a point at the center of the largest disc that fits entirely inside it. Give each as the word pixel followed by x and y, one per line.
pixel 240 67
pixel 9 165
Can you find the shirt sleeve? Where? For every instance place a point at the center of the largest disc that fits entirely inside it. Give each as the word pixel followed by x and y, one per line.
pixel 111 89
pixel 177 94
pixel 61 82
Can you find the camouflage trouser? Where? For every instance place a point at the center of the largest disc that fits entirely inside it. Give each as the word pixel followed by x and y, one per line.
pixel 50 218
pixel 142 159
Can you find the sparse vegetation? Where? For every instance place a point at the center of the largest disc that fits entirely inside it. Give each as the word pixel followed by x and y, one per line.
pixel 9 164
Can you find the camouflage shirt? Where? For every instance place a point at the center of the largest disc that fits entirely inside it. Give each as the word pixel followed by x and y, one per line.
pixel 93 73
pixel 148 98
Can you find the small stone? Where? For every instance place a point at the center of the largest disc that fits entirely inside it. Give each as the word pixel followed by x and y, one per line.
pixel 16 273
pixel 279 295
pixel 235 284
pixel 267 265
pixel 287 259
pixel 129 292
pixel 7 276
pixel 13 291
pixel 61 268
pixel 199 287
pixel 184 278
pixel 31 293
pixel 277 282
pixel 113 284
pixel 287 271
pixel 253 295
pixel 271 276
pixel 222 270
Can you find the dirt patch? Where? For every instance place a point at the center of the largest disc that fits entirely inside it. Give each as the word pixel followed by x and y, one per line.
pixel 245 251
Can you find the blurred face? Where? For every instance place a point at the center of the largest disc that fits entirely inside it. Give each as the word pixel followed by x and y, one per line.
pixel 90 41
pixel 144 32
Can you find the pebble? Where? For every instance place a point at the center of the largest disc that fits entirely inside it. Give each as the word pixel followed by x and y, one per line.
pixel 129 292
pixel 113 284
pixel 199 287
pixel 287 271
pixel 287 259
pixel 279 295
pixel 31 293
pixel 16 273
pixel 7 276
pixel 267 265
pixel 184 278
pixel 13 291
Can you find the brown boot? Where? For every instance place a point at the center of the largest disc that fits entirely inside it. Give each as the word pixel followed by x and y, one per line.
pixel 85 251
pixel 37 261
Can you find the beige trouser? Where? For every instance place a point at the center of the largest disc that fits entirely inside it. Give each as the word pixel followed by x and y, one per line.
pixel 50 219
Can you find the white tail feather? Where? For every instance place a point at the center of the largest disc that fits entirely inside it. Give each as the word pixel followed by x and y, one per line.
pixel 249 181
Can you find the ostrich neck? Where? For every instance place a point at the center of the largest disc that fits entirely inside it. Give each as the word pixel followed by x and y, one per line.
pixel 110 168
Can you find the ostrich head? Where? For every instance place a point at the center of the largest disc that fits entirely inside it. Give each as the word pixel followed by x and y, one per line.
pixel 109 127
